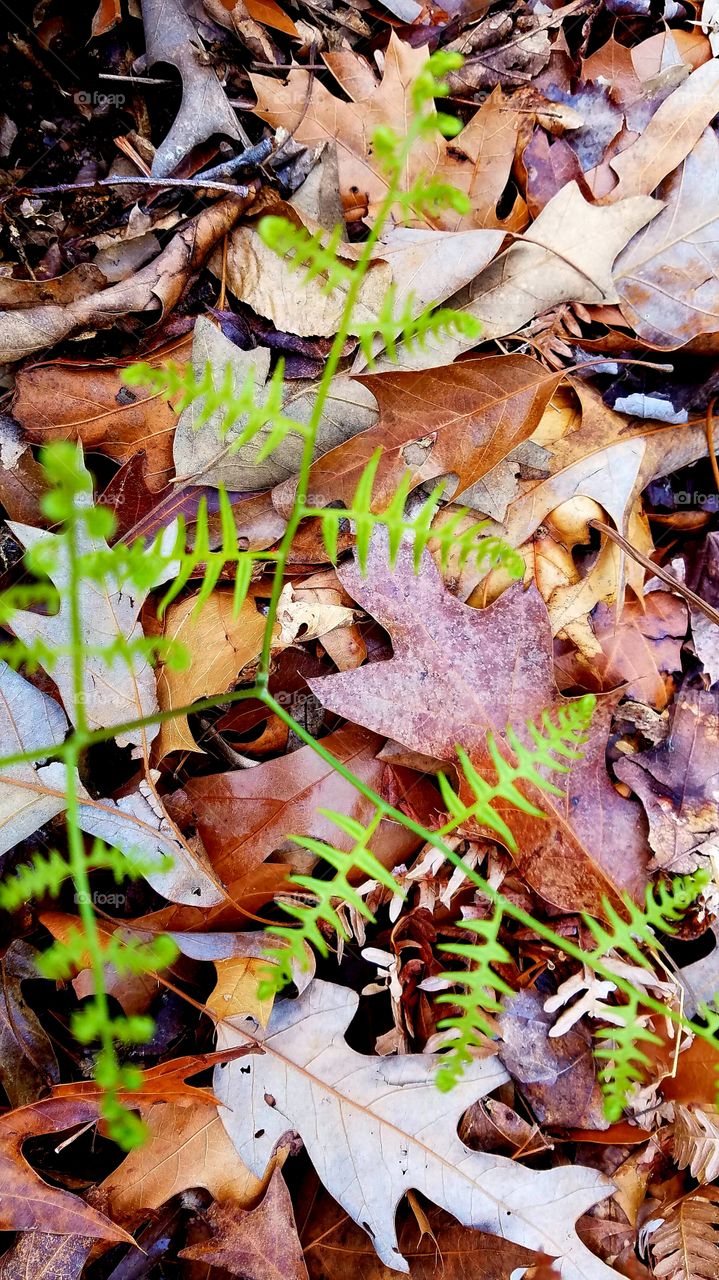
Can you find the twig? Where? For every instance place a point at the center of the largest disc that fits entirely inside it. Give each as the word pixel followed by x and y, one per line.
pixel 710 441
pixel 194 183
pixel 659 570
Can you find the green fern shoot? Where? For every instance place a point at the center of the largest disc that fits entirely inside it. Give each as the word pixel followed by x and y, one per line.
pixel 52 609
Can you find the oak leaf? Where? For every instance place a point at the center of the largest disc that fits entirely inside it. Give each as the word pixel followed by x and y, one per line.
pixel 187 1146
pixel 88 402
pixel 566 256
pixel 459 673
pixel 477 161
pixel 461 419
pixel 668 275
pixel 377 1127
pixel 28 1203
pixel 256 1244
pixel 246 815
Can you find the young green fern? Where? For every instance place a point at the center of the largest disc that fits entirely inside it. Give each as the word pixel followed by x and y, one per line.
pixel 77 556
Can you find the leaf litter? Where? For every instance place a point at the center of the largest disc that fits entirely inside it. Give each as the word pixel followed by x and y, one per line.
pixel 135 168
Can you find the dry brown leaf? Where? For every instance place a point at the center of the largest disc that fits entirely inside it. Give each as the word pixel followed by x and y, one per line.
pixel 247 815
pixel 220 644
pixel 187 1147
pixel 686 1246
pixel 477 162
pixel 256 1244
pixel 696 1141
pixel 673 131
pixel 458 673
pixel 28 1203
pixel 641 646
pixel 565 256
pixel 155 288
pixel 73 401
pixel 676 783
pixel 461 419
pixel 668 276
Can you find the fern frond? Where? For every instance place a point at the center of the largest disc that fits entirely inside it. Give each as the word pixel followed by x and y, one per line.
pixel 482 989
pixel 469 544
pixel 431 321
pixel 626 1062
pixel 300 249
pixel 42 877
pixel 557 741
pixel 215 397
pixel 664 906
pixel 325 893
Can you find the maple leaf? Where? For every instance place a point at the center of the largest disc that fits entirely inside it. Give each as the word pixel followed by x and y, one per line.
pixel 377 1127
pixel 459 673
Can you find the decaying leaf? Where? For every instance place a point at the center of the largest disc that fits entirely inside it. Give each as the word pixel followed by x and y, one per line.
pixel 72 401
pixel 460 420
pixel 257 1244
pixel 154 289
pixel 566 256
pixel 459 673
pixel 677 784
pixel 684 1246
pixel 171 37
pixel 27 1058
pixel 392 1130
pixel 696 1141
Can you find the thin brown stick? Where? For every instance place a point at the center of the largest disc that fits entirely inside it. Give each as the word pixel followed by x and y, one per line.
pixel 710 441
pixel 659 570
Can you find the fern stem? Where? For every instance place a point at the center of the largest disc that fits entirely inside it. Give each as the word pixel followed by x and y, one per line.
pixel 300 509
pixel 497 899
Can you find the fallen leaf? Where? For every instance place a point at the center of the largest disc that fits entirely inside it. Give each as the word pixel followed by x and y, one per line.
pixel 170 36
pixel 187 1146
pixel 206 456
pixel 684 1243
pixel 641 646
pixel 220 644
pixel 459 673
pixel 260 278
pixel 107 15
pixel 696 1141
pixel 72 401
pixel 386 1124
pixel 565 256
pixel 247 815
pixel 476 161
pixel 154 289
pixel 461 419
pixel 271 15
pixel 668 276
pixel 28 1202
pixel 236 990
pixel 30 795
pixel 676 783
pixel 256 1244
pixel 80 282
pixel 43 1254
pixel 27 1059
pixel 673 131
